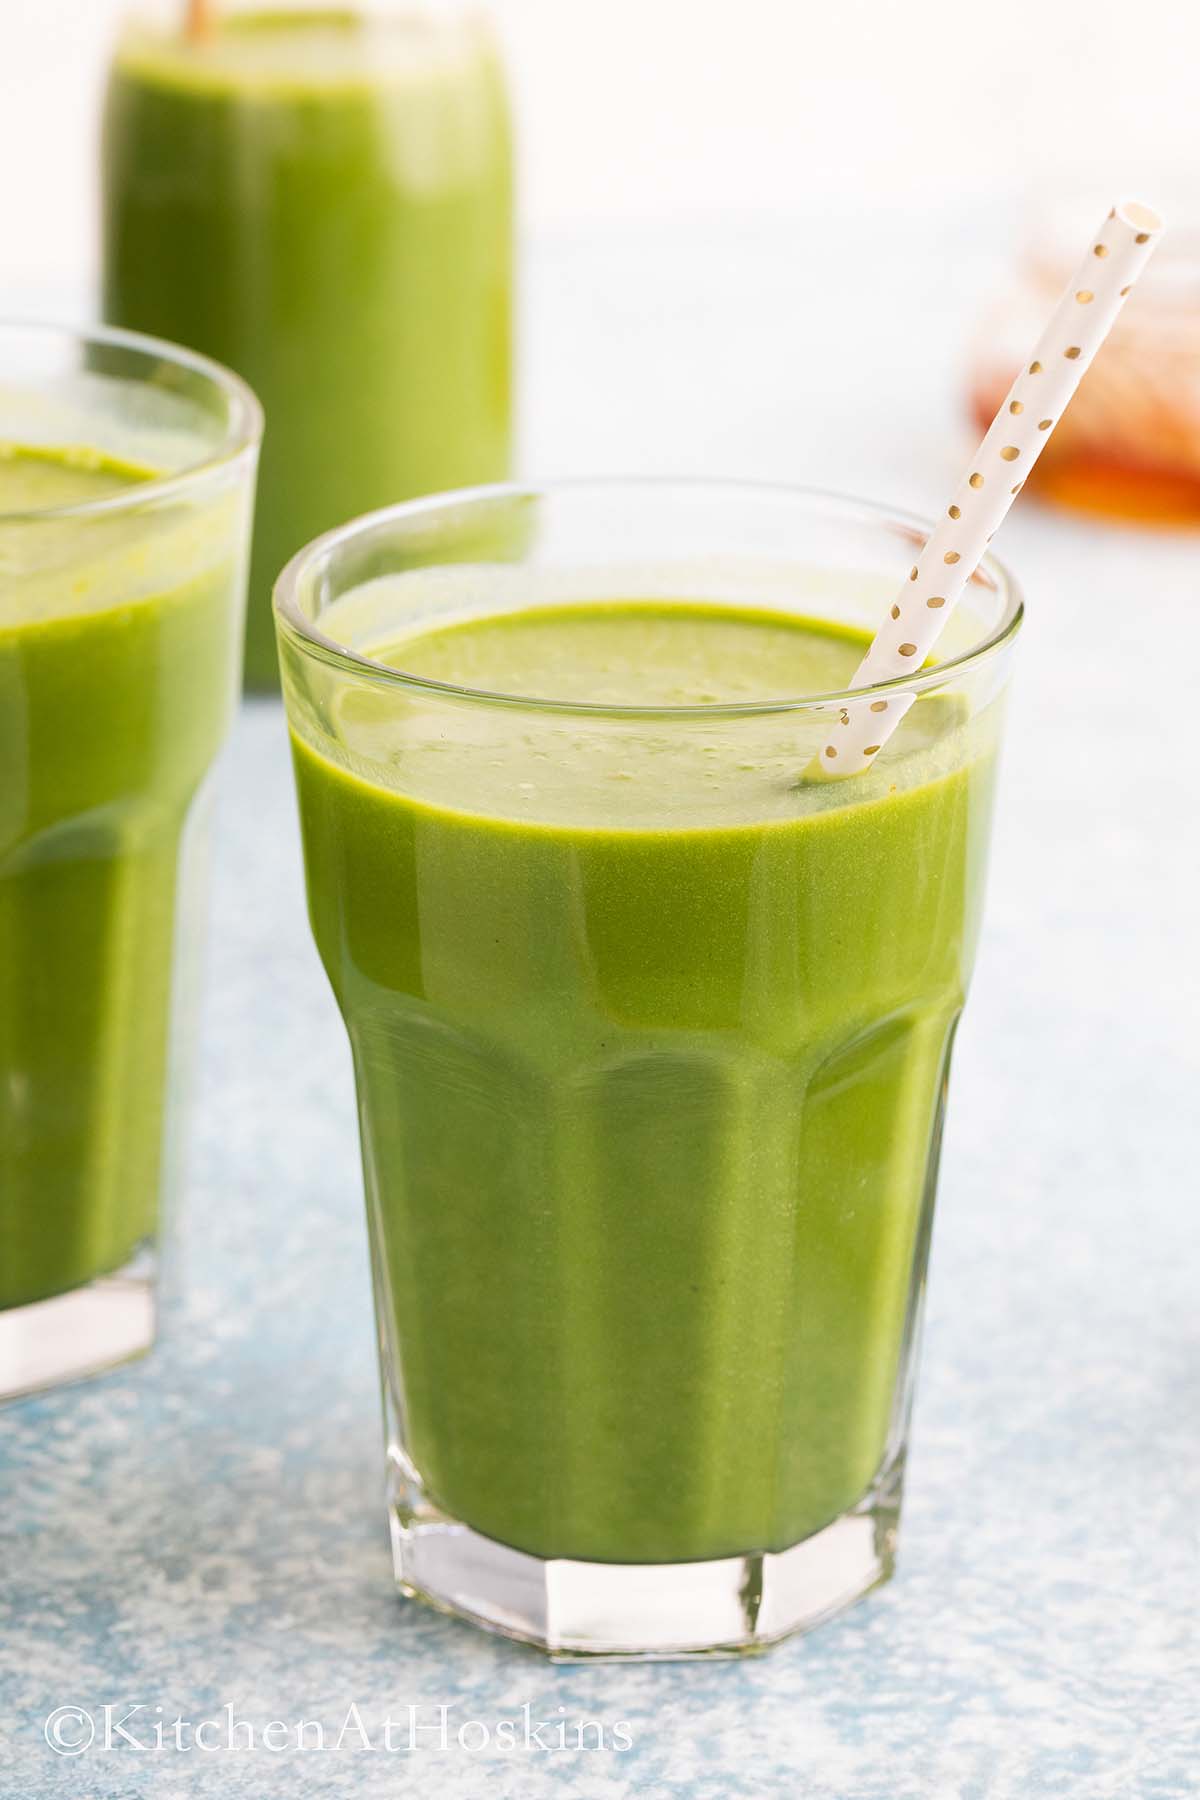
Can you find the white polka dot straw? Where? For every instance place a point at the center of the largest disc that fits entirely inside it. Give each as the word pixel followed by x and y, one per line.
pixel 1033 406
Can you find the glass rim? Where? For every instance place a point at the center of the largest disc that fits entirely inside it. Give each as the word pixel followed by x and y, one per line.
pixel 317 644
pixel 242 434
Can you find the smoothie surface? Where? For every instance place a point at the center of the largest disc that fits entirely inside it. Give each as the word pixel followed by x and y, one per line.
pixel 67 563
pixel 641 653
pixel 41 480
pixel 286 53
pixel 721 766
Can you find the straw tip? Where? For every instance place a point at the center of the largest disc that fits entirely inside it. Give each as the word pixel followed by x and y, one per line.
pixel 1139 217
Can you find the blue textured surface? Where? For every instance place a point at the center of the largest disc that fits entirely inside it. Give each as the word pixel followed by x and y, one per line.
pixel 206 1528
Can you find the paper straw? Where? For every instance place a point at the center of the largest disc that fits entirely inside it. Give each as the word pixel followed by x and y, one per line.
pixel 201 19
pixel 1016 437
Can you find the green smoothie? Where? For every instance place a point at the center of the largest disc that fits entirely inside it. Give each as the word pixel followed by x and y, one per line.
pixel 321 200
pixel 651 1040
pixel 119 636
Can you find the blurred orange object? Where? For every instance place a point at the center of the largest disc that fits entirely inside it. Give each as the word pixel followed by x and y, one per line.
pixel 1129 446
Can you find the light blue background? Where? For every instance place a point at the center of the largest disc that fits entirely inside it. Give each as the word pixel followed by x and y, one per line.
pixel 207 1527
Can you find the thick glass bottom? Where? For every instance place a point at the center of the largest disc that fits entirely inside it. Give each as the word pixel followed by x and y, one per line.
pixel 586 1610
pixel 84 1332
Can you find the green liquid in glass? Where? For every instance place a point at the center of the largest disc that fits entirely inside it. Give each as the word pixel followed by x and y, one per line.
pixel 323 203
pixel 650 1108
pixel 114 697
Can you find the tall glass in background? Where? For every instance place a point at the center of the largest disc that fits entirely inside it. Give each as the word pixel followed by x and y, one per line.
pixel 651 1038
pixel 321 197
pixel 126 487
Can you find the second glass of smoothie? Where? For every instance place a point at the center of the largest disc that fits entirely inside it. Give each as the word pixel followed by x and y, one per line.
pixel 320 197
pixel 651 1034
pixel 126 484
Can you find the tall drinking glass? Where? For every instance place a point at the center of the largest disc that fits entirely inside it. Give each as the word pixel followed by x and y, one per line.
pixel 126 485
pixel 651 1034
pixel 321 196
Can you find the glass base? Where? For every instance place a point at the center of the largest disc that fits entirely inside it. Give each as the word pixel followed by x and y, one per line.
pixel 623 1611
pixel 84 1332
